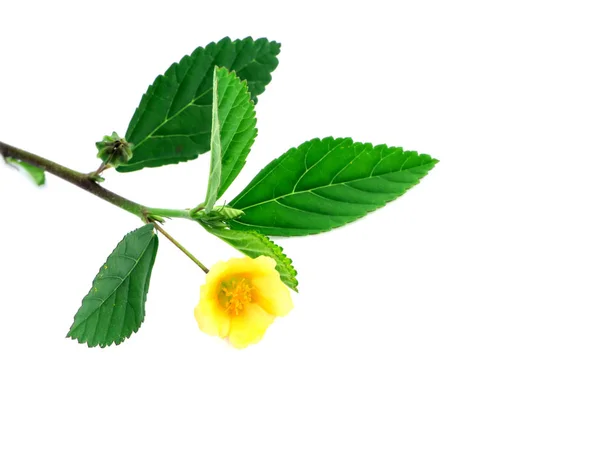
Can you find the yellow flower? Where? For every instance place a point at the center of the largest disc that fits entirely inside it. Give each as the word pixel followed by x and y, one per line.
pixel 241 298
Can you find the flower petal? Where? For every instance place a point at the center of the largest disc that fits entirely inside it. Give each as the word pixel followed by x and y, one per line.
pixel 272 295
pixel 242 266
pixel 211 316
pixel 265 264
pixel 250 326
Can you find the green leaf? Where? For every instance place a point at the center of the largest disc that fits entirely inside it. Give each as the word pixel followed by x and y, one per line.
pixel 254 244
pixel 233 132
pixel 324 184
pixel 237 125
pixel 173 121
pixel 37 175
pixel 116 304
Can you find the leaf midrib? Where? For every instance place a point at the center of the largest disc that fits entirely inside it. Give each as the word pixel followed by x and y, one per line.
pixel 244 92
pixel 306 168
pixel 274 199
pixel 118 286
pixel 167 119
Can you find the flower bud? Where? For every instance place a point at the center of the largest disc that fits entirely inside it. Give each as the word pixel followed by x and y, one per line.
pixel 113 150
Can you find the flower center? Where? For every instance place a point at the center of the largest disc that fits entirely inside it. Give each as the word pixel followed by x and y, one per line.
pixel 234 294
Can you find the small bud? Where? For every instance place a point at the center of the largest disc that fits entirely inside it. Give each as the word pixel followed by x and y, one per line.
pixel 113 150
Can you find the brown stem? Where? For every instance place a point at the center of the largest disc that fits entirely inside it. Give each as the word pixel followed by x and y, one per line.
pixel 79 179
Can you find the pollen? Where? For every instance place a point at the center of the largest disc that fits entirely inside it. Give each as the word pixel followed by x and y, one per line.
pixel 234 294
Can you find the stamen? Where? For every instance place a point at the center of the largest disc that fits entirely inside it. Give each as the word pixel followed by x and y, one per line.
pixel 234 294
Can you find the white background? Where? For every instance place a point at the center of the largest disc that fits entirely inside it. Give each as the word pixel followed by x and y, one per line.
pixel 464 315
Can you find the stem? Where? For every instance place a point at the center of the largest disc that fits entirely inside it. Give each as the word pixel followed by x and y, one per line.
pixel 179 213
pixel 99 170
pixel 180 247
pixel 197 208
pixel 79 179
pixel 87 183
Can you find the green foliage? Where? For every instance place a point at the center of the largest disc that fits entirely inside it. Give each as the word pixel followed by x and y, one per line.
pixel 173 121
pixel 238 126
pixel 233 132
pixel 116 304
pixel 324 184
pixel 206 102
pixel 37 175
pixel 254 244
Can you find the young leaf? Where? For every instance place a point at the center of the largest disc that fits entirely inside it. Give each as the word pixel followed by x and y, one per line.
pixel 233 132
pixel 116 304
pixel 238 126
pixel 37 175
pixel 254 244
pixel 214 178
pixel 173 121
pixel 324 184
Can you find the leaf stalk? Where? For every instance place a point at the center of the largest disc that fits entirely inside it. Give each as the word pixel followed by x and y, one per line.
pixel 180 247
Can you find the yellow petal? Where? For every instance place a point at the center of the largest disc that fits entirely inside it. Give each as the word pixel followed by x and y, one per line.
pixel 242 266
pixel 213 280
pixel 210 315
pixel 272 294
pixel 222 271
pixel 265 264
pixel 250 326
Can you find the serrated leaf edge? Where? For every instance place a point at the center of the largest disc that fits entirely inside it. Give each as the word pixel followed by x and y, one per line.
pixel 234 172
pixel 274 45
pixel 286 260
pixel 134 330
pixel 273 165
pixel 277 250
